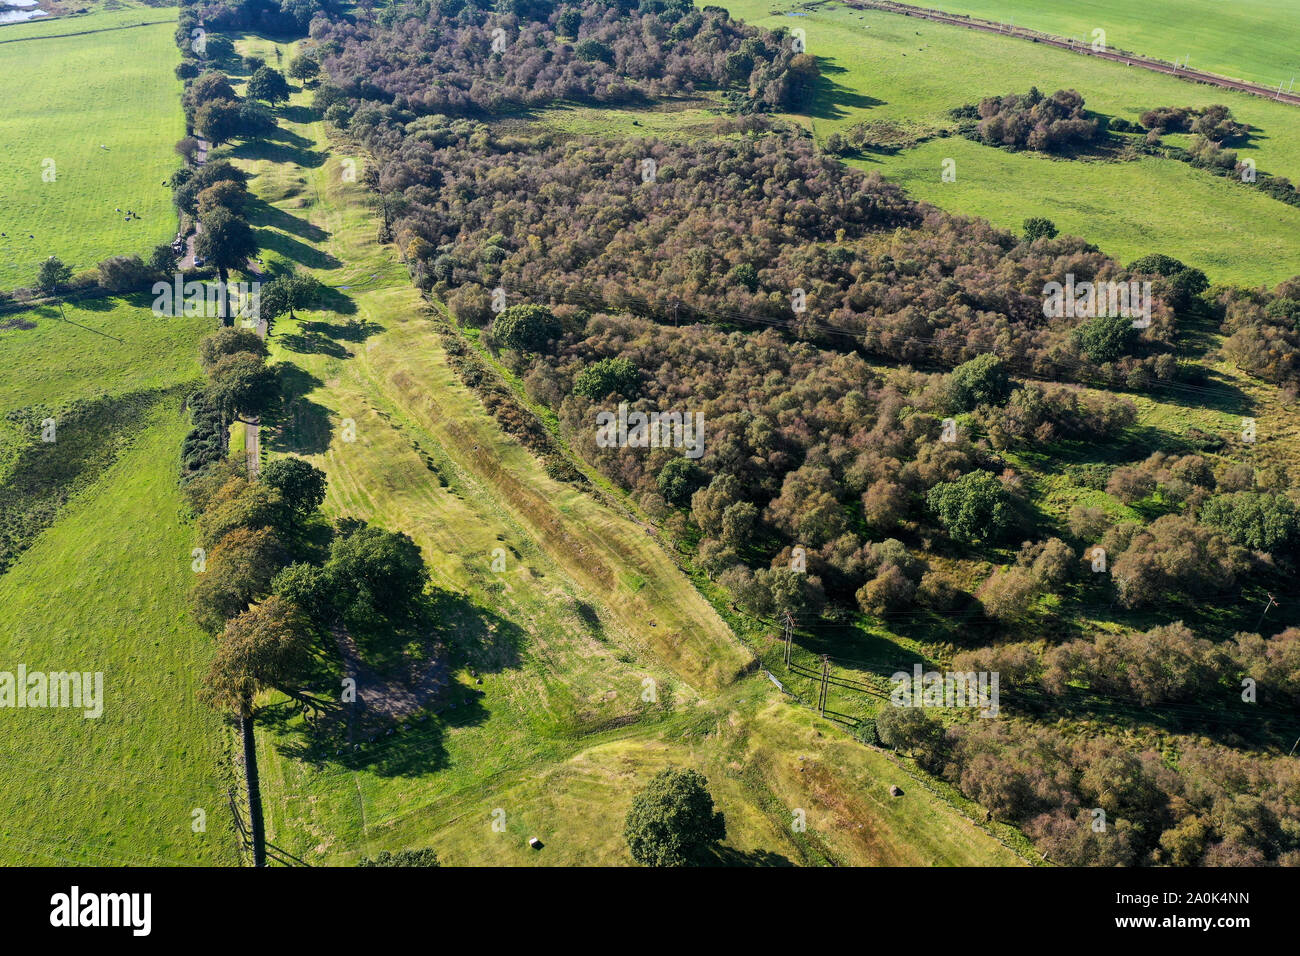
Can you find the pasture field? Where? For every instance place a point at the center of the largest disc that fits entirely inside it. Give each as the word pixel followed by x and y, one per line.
pixel 1256 40
pixel 878 66
pixel 102 588
pixel 547 717
pixel 59 188
pixel 96 347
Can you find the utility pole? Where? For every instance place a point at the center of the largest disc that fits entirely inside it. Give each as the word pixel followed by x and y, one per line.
pixel 826 673
pixel 789 636
pixel 1271 602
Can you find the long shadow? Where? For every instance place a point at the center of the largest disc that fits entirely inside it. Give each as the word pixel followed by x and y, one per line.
pixel 464 635
pixel 277 152
pixel 265 215
pixel 313 343
pixel 286 136
pixel 484 642
pixel 300 426
pixel 294 249
pixel 832 100
pixel 299 114
pixel 730 856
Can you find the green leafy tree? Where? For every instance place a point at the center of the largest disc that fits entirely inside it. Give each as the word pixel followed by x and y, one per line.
pixel 304 67
pixel 1260 521
pixel 1105 338
pixel 266 647
pixel 1038 227
pixel 672 821
pixel 377 575
pixel 52 275
pixel 911 729
pixel 307 586
pixel 227 194
pixel 678 479
pixel 606 377
pixel 210 87
pixel 219 120
pixel 981 381
pixel 227 242
pixel 268 85
pixel 525 328
pixel 300 482
pixel 242 383
pixel 593 50
pixel 973 508
pixel 569 21
pixel 163 259
pixel 286 294
pixel 229 341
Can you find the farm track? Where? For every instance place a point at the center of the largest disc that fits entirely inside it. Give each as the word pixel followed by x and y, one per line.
pixel 1130 59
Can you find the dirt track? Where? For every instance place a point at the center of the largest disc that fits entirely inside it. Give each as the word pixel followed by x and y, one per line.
pixel 1130 59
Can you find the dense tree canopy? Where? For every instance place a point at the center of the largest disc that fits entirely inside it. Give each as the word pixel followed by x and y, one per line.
pixel 672 821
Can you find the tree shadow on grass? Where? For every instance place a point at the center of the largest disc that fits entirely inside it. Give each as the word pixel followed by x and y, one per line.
pixel 287 247
pixel 299 114
pixel 329 299
pixel 300 425
pixel 313 343
pixel 832 100
pixel 452 633
pixel 476 638
pixel 730 856
pixel 265 215
pixel 278 152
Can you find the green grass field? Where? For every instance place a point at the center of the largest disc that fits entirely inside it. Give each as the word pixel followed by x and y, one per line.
pixel 558 734
pixel 103 589
pixel 100 346
pixel 1256 40
pixel 59 191
pixel 879 66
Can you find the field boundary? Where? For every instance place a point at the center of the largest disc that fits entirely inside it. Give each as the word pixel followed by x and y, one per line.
pixel 82 33
pixel 1108 53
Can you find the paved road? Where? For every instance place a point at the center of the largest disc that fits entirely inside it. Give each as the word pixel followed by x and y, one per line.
pixel 1131 59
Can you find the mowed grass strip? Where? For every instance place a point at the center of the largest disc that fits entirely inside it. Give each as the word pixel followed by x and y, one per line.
pixel 66 97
